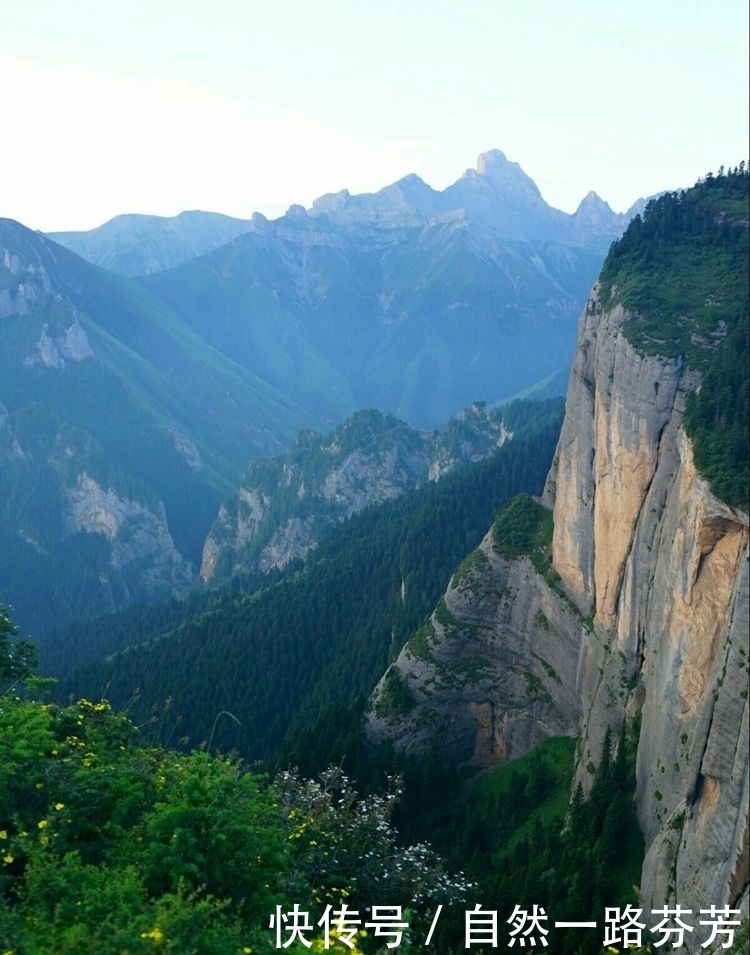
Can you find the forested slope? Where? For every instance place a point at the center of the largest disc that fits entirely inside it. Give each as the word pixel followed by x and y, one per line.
pixel 272 656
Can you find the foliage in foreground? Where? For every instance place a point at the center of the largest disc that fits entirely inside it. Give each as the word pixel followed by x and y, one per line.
pixel 108 846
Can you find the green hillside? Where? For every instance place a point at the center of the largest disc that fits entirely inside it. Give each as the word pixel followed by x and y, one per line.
pixel 100 382
pixel 274 656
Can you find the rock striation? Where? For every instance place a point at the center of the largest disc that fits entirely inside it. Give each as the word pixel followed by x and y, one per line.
pixel 643 608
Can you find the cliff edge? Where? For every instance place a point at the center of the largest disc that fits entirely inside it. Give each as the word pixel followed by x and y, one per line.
pixel 622 594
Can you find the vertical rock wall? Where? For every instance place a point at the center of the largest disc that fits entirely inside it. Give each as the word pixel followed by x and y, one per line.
pixel 651 616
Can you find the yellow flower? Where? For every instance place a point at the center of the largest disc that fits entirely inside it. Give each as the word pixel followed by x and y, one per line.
pixel 156 934
pixel 59 806
pixel 42 823
pixel 3 833
pixel 7 858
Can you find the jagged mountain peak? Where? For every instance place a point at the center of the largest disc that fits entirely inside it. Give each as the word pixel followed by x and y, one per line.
pixel 495 167
pixel 414 190
pixel 497 196
pixel 592 200
pixel 407 202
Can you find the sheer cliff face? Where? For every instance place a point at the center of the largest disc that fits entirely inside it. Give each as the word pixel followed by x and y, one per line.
pixel 650 613
pixel 642 544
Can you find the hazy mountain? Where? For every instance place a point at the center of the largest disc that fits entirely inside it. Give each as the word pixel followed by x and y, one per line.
pixel 416 320
pixel 140 244
pixel 497 196
pixel 120 396
pixel 411 300
pixel 120 432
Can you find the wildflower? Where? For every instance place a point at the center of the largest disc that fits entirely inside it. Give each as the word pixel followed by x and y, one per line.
pixel 156 934
pixel 7 858
pixel 3 833
pixel 42 823
pixel 59 806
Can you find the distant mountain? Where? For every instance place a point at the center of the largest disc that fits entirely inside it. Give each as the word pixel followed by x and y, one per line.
pixel 497 196
pixel 417 321
pixel 141 244
pixel 129 408
pixel 411 300
pixel 120 432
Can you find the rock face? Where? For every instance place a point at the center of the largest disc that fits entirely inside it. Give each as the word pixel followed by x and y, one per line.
pixel 642 544
pixel 142 552
pixel 492 674
pixel 645 607
pixel 285 505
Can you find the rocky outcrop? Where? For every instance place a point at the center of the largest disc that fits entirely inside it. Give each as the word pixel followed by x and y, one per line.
pixel 52 352
pixel 285 505
pixel 492 674
pixel 142 554
pixel 644 608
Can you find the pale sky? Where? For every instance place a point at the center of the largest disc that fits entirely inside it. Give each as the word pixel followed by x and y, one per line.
pixel 237 106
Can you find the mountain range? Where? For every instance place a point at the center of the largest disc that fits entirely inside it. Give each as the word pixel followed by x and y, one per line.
pixel 137 386
pixel 396 594
pixel 608 604
pixel 497 195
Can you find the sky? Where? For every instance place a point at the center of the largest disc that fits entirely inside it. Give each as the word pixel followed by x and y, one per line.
pixel 238 106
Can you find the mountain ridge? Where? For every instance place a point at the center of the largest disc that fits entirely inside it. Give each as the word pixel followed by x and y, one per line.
pixel 117 423
pixel 386 316
pixel 140 244
pixel 286 505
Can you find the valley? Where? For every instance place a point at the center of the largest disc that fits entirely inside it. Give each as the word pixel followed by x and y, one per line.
pixel 349 583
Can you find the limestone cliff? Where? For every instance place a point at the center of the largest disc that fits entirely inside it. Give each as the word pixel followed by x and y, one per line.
pixel 642 608
pixel 658 565
pixel 285 505
pixel 143 560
